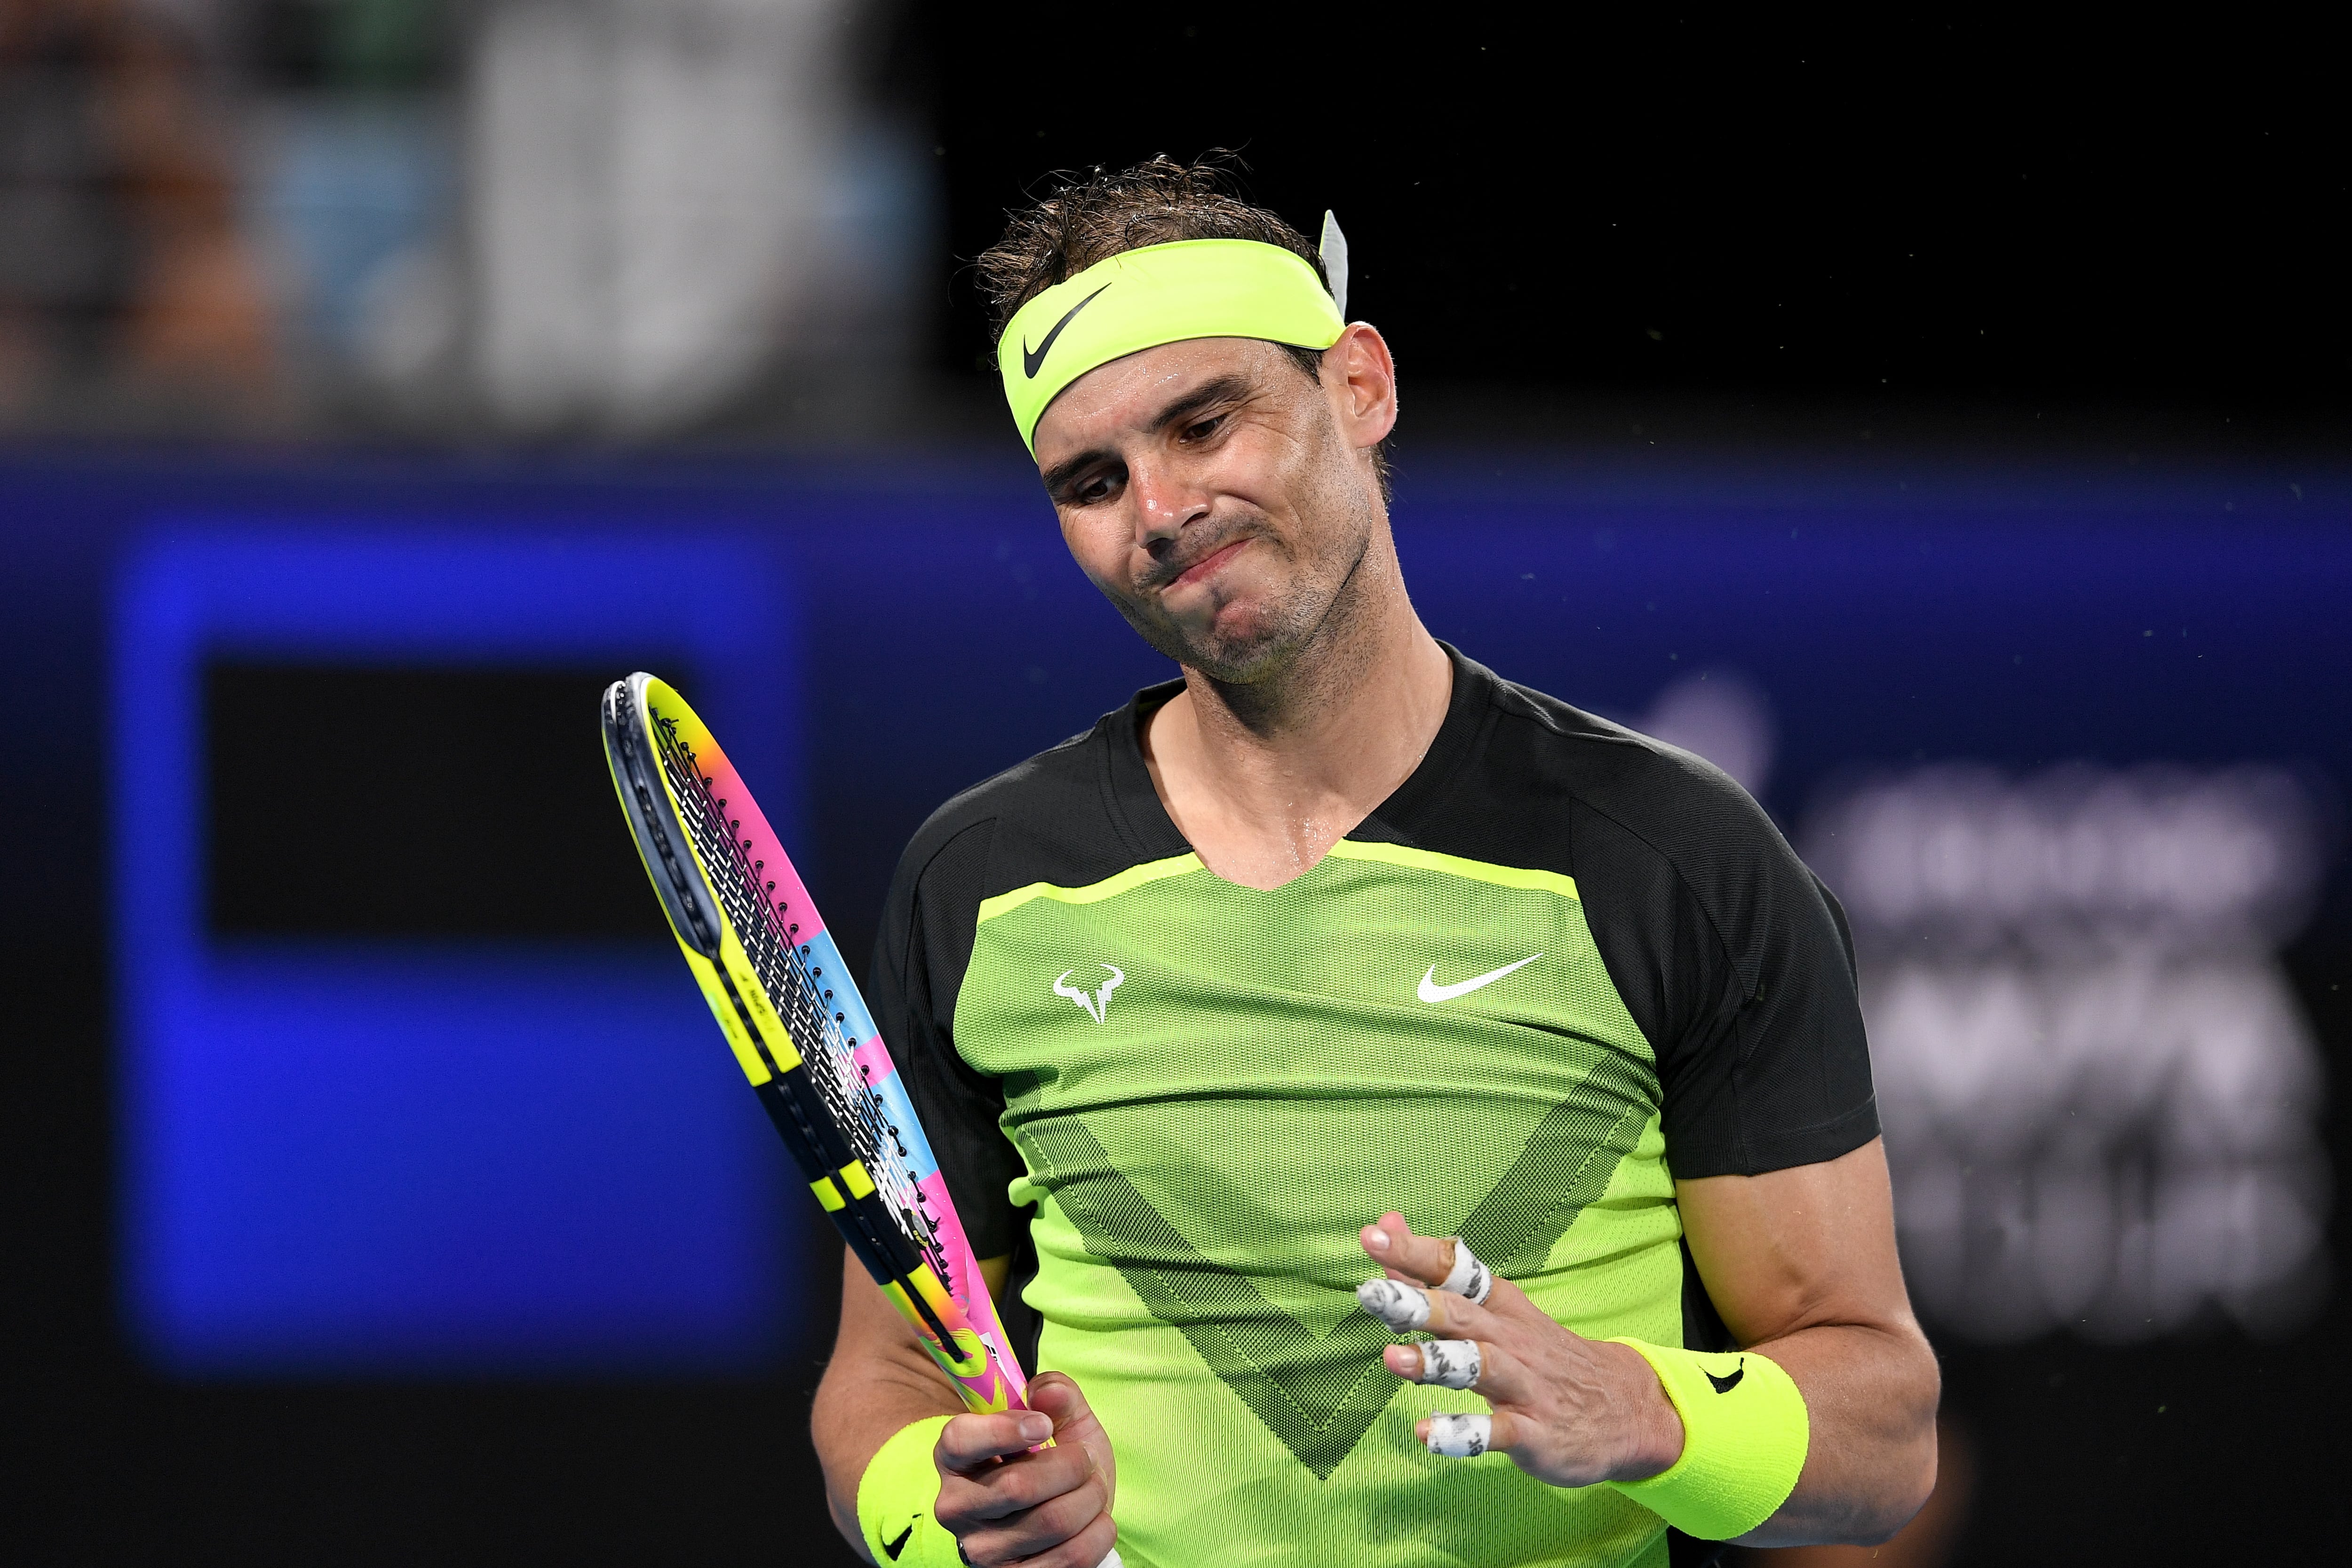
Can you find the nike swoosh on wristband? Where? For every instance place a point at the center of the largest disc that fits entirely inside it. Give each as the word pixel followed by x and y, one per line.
pixel 1430 990
pixel 895 1547
pixel 1726 1385
pixel 1033 359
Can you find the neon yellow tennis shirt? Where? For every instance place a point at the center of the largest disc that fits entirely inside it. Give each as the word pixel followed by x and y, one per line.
pixel 1560 966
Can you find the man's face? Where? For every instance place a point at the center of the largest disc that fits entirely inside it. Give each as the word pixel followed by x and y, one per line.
pixel 1208 490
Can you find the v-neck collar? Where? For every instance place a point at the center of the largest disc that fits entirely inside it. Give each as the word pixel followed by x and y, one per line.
pixel 1143 818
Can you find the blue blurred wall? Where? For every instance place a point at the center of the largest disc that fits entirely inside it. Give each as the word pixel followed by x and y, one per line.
pixel 927 629
pixel 415 1156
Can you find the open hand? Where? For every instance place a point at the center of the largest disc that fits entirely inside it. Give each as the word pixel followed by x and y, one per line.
pixel 1567 1409
pixel 1005 1500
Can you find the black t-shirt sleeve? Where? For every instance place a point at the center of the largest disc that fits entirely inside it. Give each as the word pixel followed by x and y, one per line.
pixel 919 957
pixel 1735 961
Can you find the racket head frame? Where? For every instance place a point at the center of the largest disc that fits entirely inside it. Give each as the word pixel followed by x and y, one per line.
pixel 959 1328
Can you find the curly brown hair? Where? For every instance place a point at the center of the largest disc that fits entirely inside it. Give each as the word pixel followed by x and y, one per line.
pixel 1090 218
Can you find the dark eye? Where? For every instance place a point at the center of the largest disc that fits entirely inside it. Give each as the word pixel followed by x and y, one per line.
pixel 1205 429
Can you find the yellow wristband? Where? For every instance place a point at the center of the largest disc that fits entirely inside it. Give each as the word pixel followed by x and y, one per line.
pixel 1745 1432
pixel 895 1497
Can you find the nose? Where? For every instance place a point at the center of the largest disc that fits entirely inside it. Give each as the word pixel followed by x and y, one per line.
pixel 1165 500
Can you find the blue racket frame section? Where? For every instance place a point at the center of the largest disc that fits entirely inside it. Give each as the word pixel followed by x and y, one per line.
pixel 359 1158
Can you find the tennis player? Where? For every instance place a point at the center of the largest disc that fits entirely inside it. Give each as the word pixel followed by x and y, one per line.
pixel 1411 1120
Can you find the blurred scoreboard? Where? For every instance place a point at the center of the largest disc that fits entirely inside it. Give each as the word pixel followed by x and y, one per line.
pixel 411 1077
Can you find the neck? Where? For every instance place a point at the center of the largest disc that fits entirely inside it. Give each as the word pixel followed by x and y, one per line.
pixel 1263 777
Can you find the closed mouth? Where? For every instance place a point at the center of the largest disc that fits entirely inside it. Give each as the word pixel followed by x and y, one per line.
pixel 1199 570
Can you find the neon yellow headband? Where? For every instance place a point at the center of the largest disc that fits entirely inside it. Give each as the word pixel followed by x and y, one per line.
pixel 1165 294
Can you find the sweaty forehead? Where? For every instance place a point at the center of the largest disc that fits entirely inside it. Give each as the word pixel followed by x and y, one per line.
pixel 1134 394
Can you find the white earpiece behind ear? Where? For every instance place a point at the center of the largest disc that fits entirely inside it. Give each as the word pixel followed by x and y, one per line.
pixel 1334 249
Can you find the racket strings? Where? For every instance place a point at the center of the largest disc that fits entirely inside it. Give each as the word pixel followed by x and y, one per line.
pixel 796 989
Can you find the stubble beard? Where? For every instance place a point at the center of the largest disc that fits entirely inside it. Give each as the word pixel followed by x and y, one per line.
pixel 1306 608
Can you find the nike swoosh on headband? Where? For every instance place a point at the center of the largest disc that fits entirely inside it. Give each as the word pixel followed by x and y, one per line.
pixel 1429 991
pixel 1033 359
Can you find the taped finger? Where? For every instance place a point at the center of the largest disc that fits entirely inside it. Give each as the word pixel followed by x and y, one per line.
pixel 1402 1307
pixel 1460 1437
pixel 1450 1362
pixel 1468 1277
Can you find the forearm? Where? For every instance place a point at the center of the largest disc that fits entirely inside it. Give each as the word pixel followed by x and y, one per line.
pixel 1870 1460
pixel 858 1408
pixel 1802 1264
pixel 877 1383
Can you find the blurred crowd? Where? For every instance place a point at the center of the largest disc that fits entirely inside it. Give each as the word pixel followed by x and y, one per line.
pixel 123 263
pixel 521 216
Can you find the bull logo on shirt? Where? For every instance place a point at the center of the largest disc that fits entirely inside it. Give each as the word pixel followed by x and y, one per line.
pixel 1096 1002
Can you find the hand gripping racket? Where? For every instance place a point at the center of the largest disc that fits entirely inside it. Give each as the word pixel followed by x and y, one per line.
pixel 802 1034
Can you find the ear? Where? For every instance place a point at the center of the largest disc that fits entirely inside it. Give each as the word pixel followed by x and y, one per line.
pixel 1360 380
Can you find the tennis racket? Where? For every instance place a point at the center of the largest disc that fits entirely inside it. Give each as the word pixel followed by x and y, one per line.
pixel 777 985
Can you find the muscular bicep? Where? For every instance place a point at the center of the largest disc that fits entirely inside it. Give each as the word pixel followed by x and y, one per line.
pixel 1804 1248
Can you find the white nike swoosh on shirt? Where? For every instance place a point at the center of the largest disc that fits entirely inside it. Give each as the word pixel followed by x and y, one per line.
pixel 1431 991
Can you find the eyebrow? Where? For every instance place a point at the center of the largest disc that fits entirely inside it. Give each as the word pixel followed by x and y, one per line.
pixel 1226 388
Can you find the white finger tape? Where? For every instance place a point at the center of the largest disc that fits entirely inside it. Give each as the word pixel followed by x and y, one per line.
pixel 1469 1277
pixel 1450 1362
pixel 1460 1437
pixel 1401 1306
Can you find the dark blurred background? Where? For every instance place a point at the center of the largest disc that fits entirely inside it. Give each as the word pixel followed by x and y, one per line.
pixel 1938 423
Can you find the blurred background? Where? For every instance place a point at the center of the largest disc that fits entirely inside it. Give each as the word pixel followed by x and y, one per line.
pixel 1938 423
